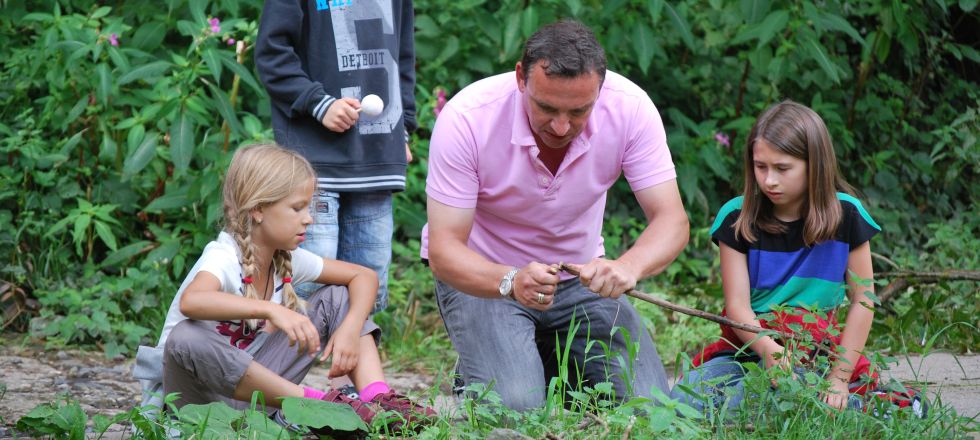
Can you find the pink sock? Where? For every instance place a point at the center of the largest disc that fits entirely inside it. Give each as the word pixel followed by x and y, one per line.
pixel 311 393
pixel 369 392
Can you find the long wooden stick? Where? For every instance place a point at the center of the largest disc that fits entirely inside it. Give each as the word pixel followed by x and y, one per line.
pixel 690 311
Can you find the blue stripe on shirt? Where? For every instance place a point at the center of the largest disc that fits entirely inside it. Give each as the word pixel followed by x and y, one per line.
pixel 779 267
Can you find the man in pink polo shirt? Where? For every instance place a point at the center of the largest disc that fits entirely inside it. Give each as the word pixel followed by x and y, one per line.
pixel 519 167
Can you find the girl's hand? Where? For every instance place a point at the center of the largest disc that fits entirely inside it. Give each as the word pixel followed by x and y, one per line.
pixel 837 395
pixel 778 360
pixel 298 328
pixel 344 348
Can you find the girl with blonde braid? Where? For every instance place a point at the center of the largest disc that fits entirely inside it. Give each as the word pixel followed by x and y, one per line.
pixel 236 325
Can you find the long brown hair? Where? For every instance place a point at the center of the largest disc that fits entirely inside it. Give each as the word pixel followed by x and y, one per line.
pixel 798 131
pixel 261 175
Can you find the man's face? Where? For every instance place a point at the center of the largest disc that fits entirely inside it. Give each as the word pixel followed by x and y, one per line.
pixel 557 107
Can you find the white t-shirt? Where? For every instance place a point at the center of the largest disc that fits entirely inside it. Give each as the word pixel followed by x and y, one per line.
pixel 222 258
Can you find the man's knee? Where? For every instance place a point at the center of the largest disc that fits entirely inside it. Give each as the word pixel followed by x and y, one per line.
pixel 520 396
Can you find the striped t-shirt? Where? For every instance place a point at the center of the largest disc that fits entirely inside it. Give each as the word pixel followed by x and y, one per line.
pixel 784 271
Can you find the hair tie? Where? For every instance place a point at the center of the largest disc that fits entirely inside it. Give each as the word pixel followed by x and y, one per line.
pixel 247 280
pixel 287 279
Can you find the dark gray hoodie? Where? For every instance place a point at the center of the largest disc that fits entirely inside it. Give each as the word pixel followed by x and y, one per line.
pixel 311 52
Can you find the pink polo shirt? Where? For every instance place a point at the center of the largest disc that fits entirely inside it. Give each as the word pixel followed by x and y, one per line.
pixel 483 156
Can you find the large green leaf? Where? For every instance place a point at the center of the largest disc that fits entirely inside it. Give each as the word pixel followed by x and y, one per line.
pixel 141 157
pixel 815 51
pixel 682 26
pixel 197 11
pixel 220 100
pixel 168 201
pixel 105 83
pixel 181 142
pixel 529 21
pixel 144 72
pixel 511 38
pixel 124 253
pixel 213 60
pixel 319 414
pixel 773 24
pixel 755 10
pixel 643 46
pixel 244 73
pixel 426 27
pixel 105 233
pixel 148 36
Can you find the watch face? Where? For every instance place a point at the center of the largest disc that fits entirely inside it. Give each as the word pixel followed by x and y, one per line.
pixel 505 286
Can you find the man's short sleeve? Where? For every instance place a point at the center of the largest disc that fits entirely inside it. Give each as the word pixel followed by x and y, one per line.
pixel 723 231
pixel 453 173
pixel 307 266
pixel 647 161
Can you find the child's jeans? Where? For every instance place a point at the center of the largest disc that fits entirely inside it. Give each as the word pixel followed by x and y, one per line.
pixel 719 382
pixel 203 367
pixel 352 227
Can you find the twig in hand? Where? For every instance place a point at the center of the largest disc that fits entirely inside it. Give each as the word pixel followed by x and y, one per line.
pixel 707 315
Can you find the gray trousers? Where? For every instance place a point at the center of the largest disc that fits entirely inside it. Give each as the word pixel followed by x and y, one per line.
pixel 203 367
pixel 516 349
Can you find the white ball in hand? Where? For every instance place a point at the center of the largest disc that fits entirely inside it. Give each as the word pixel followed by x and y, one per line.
pixel 372 105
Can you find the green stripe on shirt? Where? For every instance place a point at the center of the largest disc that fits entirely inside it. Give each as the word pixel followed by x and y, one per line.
pixel 810 293
pixel 726 209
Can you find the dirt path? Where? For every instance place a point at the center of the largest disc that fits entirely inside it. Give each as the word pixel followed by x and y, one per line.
pixel 29 377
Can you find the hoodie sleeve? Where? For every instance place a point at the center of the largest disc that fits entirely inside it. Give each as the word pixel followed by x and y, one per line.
pixel 406 65
pixel 279 65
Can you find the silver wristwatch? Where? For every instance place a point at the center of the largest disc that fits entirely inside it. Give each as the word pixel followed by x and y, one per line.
pixel 506 286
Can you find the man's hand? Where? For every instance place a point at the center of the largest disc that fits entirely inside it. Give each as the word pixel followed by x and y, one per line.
pixel 535 285
pixel 408 153
pixel 341 115
pixel 606 278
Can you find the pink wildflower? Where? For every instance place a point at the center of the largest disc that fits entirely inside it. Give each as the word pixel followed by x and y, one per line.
pixel 215 25
pixel 114 39
pixel 440 102
pixel 231 41
pixel 722 138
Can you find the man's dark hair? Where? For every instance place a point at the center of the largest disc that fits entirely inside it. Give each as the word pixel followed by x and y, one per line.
pixel 566 48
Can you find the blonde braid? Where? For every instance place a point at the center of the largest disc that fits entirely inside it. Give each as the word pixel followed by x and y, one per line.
pixel 284 267
pixel 249 269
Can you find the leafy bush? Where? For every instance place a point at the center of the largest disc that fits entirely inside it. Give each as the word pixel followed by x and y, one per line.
pixel 117 122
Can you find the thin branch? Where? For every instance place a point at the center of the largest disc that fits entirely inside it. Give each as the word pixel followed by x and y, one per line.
pixel 693 312
pixel 885 259
pixel 902 279
pixel 933 277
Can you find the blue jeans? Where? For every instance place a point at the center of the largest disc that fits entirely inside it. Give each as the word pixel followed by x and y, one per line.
pixel 719 382
pixel 352 227
pixel 512 347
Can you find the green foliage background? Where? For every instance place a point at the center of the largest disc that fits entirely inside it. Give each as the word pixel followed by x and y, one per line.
pixel 112 156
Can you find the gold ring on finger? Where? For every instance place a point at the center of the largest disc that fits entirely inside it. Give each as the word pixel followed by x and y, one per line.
pixel 540 298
